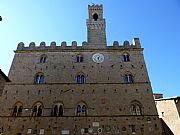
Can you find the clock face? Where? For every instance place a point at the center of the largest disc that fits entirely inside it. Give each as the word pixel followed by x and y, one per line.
pixel 98 57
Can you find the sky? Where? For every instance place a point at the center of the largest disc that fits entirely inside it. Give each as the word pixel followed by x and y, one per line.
pixel 155 22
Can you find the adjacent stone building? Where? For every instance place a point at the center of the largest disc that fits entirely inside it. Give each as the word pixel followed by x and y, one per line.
pixel 3 80
pixel 169 112
pixel 93 88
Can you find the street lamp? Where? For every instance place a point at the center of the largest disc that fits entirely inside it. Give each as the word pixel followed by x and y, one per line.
pixel 0 18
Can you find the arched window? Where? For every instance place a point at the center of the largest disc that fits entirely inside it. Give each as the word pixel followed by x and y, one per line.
pixel 39 79
pixel 55 110
pixel 43 58
pixel 80 79
pixel 37 110
pixel 58 109
pixel 126 57
pixel 17 109
pixel 79 58
pixel 84 109
pixel 128 78
pixel 95 16
pixel 81 109
pixel 14 111
pixel 136 108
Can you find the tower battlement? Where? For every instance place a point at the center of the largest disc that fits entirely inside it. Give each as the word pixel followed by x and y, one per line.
pixel 74 45
pixel 96 6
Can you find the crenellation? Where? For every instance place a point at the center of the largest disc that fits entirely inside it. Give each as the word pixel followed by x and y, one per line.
pixel 96 6
pixel 136 42
pixel 126 43
pixel 85 45
pixel 32 45
pixel 74 44
pixel 53 45
pixel 63 44
pixel 42 44
pixel 20 46
pixel 116 44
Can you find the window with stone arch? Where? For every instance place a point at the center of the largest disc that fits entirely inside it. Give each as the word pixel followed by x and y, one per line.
pixel 80 78
pixel 136 108
pixel 58 109
pixel 79 58
pixel 81 109
pixel 37 109
pixel 126 57
pixel 95 16
pixel 128 78
pixel 39 78
pixel 43 58
pixel 17 109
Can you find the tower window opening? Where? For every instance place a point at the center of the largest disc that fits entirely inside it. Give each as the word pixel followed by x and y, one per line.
pixel 95 17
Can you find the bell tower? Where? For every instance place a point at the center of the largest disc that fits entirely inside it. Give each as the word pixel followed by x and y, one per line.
pixel 96 26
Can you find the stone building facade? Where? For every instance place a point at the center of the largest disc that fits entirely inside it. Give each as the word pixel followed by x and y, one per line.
pixel 169 112
pixel 91 88
pixel 3 80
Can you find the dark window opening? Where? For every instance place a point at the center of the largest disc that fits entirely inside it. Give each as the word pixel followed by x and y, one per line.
pixel 34 113
pixel 17 111
pixel 80 79
pixel 58 110
pixel 81 110
pixel 84 109
pixel 39 79
pixel 95 17
pixel 43 59
pixel 128 78
pixel 126 58
pixel 39 113
pixel 14 111
pixel 55 110
pixel 79 58
pixel 78 109
pixel 86 130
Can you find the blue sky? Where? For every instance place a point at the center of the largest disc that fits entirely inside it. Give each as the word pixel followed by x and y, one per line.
pixel 155 22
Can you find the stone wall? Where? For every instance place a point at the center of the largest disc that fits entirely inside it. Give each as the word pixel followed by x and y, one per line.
pixel 168 111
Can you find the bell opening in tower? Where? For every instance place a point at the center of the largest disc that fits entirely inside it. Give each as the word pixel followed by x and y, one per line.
pixel 95 16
